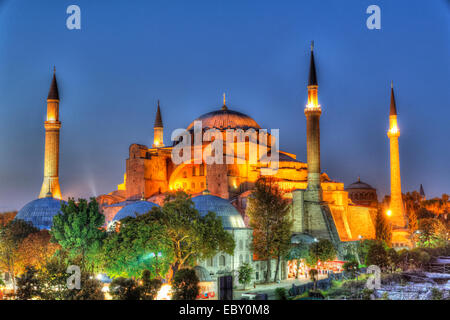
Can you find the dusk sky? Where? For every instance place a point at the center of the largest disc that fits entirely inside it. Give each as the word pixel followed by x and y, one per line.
pixel 129 54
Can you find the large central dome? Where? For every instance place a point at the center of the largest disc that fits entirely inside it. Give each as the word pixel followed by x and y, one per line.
pixel 225 118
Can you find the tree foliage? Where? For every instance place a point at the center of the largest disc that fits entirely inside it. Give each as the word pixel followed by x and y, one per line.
pixel 245 274
pixel 382 227
pixel 141 244
pixel 185 285
pixel 269 217
pixel 322 250
pixel 193 237
pixel 78 228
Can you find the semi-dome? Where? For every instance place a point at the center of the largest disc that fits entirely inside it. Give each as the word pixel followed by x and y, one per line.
pixel 133 209
pixel 40 212
pixel 231 218
pixel 225 118
pixel 202 274
pixel 359 185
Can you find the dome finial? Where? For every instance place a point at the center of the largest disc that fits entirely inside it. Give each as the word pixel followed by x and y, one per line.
pixel 49 193
pixel 359 179
pixel 206 191
pixel 142 196
pixel 224 107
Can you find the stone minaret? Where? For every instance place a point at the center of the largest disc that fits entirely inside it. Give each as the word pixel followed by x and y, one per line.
pixel 312 113
pixel 158 139
pixel 51 161
pixel 396 206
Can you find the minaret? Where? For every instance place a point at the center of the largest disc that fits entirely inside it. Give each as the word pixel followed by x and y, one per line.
pixel 50 185
pixel 422 193
pixel 312 113
pixel 158 138
pixel 396 205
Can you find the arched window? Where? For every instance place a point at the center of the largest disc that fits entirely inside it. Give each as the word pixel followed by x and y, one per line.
pixel 247 258
pixel 241 259
pixel 210 262
pixel 222 261
pixel 241 245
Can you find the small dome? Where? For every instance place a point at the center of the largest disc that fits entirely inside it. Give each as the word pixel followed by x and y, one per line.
pixel 137 207
pixel 40 212
pixel 225 118
pixel 231 218
pixel 359 185
pixel 301 237
pixel 202 274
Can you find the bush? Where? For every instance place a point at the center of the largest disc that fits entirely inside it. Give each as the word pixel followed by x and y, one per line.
pixel 149 287
pixel 436 294
pixel 91 289
pixel 280 294
pixel 125 289
pixel 28 285
pixel 185 285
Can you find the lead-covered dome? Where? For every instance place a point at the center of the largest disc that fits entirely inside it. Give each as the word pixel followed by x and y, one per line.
pixel 40 212
pixel 225 118
pixel 359 185
pixel 133 209
pixel 231 218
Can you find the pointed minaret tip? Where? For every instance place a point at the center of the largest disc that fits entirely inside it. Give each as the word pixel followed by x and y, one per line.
pixel 53 93
pixel 158 118
pixel 312 79
pixel 393 108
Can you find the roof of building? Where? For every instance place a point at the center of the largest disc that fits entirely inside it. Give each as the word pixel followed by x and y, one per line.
pixel 53 93
pixel 359 185
pixel 133 209
pixel 226 118
pixel 158 119
pixel 231 218
pixel 40 212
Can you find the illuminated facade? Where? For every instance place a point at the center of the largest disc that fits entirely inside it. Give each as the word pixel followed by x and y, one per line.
pixel 319 204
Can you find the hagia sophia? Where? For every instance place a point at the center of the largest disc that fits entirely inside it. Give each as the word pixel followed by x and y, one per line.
pixel 320 206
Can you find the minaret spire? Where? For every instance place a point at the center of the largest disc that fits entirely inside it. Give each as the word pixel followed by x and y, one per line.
pixel 158 137
pixel 50 185
pixel 393 109
pixel 396 204
pixel 312 113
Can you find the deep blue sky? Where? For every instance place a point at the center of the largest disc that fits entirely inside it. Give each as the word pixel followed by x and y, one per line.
pixel 128 54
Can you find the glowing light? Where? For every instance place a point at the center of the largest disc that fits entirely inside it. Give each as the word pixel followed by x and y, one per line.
pixel 389 213
pixel 394 129
pixel 312 106
pixel 165 293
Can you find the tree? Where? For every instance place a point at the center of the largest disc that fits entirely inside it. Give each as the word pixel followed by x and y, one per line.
pixel 125 289
pixel 35 250
pixel 313 275
pixel 53 277
pixel 269 217
pixel 91 289
pixel 11 237
pixel 28 285
pixel 150 287
pixel 141 244
pixel 393 258
pixel 322 250
pixel 193 237
pixel 432 233
pixel 78 228
pixel 377 255
pixel 382 227
pixel 6 217
pixel 185 285
pixel 245 274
